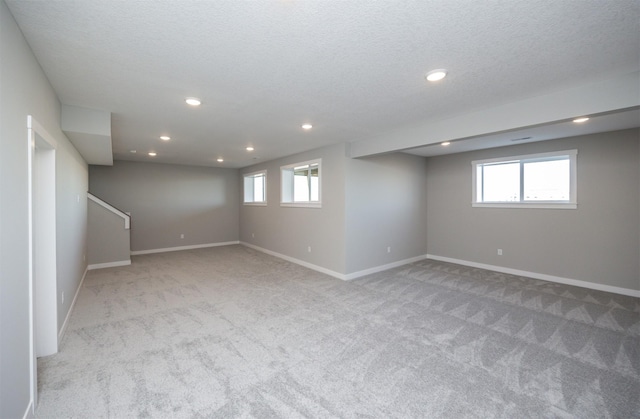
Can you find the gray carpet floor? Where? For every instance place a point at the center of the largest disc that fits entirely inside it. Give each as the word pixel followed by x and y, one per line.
pixel 229 332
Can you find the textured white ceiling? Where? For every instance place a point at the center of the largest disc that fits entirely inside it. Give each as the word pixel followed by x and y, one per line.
pixel 354 69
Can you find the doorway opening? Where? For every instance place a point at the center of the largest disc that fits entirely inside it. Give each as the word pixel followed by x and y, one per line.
pixel 42 248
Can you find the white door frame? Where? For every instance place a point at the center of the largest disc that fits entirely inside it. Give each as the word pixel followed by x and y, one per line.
pixel 43 310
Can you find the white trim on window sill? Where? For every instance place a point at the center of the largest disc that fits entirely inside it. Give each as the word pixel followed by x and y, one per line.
pixel 301 204
pixel 541 205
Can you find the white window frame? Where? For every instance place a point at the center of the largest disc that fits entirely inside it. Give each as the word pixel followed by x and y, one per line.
pixel 571 203
pixel 244 188
pixel 287 185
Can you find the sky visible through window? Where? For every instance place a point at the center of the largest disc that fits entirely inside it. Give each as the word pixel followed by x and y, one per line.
pixel 254 188
pixel 547 180
pixel 306 184
pixel 258 188
pixel 500 182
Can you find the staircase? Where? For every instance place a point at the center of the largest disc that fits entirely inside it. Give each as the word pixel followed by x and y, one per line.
pixel 109 234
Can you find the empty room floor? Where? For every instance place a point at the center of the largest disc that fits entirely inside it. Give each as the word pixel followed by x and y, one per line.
pixel 230 332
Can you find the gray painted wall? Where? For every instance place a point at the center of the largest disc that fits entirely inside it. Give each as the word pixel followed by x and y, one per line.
pixel 367 205
pixel 108 240
pixel 289 231
pixel 24 90
pixel 598 242
pixel 385 206
pixel 72 184
pixel 167 200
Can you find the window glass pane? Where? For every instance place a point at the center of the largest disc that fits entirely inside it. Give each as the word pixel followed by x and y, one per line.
pixel 478 185
pixel 315 184
pixel 255 188
pixel 248 189
pixel 300 186
pixel 544 180
pixel 258 188
pixel 547 180
pixel 501 182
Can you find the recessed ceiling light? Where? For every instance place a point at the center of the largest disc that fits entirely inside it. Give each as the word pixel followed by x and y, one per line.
pixel 307 126
pixel 152 154
pixel 580 120
pixel 435 75
pixel 220 160
pixel 193 101
pixel 249 148
pixel 445 143
pixel 133 151
pixel 165 137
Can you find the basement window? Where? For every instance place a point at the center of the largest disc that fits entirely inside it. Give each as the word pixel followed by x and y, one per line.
pixel 546 180
pixel 255 188
pixel 301 184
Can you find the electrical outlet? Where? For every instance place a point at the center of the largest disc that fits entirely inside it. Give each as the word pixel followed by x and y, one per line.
pixel 62 297
pixel 182 236
pixel 499 252
pixel 388 249
pixel 253 236
pixel 309 249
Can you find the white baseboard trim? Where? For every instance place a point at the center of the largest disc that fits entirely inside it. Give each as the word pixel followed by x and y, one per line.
pixel 175 249
pixel 544 277
pixel 109 264
pixel 381 268
pixel 63 329
pixel 29 413
pixel 344 277
pixel 296 261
